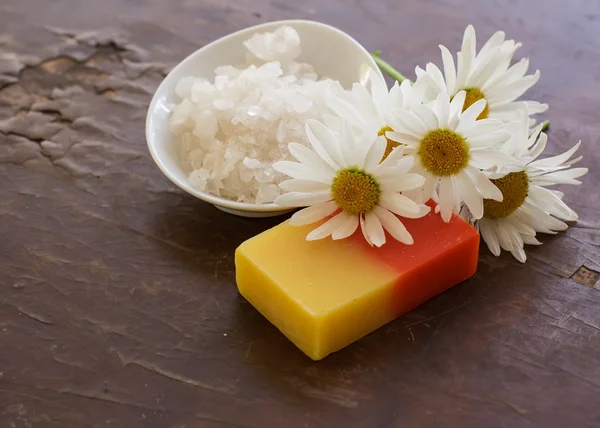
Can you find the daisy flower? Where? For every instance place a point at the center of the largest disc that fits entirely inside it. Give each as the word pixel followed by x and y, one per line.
pixel 366 108
pixel 451 147
pixel 343 177
pixel 485 75
pixel 528 206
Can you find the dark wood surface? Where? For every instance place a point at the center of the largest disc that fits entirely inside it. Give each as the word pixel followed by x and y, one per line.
pixel 118 304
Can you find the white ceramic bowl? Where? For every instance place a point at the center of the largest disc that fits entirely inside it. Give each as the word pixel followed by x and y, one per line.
pixel 332 52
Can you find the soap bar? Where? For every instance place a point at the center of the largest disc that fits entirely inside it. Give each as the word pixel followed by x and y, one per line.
pixel 324 295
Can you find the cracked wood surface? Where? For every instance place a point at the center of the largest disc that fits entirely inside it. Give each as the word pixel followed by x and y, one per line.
pixel 118 304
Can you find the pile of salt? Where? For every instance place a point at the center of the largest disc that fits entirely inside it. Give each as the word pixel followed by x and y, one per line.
pixel 230 131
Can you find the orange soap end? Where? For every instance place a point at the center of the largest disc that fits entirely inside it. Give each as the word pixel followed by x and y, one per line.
pixel 443 255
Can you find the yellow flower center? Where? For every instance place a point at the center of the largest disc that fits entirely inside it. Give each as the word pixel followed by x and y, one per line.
pixel 473 95
pixel 443 152
pixel 391 145
pixel 514 187
pixel 355 191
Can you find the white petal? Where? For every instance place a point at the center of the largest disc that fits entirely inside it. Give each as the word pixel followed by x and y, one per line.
pixel 520 223
pixel 470 194
pixel 446 198
pixel 549 201
pixel 556 160
pixel 325 143
pixel 470 115
pixel 375 154
pixel 405 163
pixel 515 72
pixel 503 236
pixel 540 220
pixel 513 90
pixel 488 158
pixel 507 74
pixel 363 228
pixel 427 116
pixel 487 140
pixel 311 159
pixel 411 123
pixel 347 228
pixel 346 111
pixel 488 234
pixel 397 159
pixel 399 204
pixel 301 171
pixel 429 187
pixel 395 98
pixel 442 110
pixel 449 69
pixel 519 254
pixel 392 180
pixel 531 240
pixel 423 211
pixel 347 145
pixel 327 228
pixel 486 188
pixel 403 138
pixel 458 198
pixel 393 225
pixel 486 69
pixel 481 127
pixel 437 77
pixel 363 98
pixel 299 185
pixel 457 103
pixel 379 90
pixel 466 56
pixel 535 107
pixel 493 42
pixel 313 213
pixel 374 229
pixel 560 177
pixel 416 92
pixel 298 199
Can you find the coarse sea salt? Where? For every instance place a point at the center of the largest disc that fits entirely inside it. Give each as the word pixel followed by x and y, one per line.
pixel 230 131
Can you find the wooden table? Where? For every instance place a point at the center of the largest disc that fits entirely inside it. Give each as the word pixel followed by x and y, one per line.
pixel 118 304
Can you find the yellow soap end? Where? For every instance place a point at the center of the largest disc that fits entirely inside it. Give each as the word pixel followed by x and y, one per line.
pixel 318 294
pixel 287 314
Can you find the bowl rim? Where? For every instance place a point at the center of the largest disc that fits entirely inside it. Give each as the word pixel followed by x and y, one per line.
pixel 185 185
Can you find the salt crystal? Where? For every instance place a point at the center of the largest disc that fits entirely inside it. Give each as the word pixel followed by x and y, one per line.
pixel 254 110
pixel 199 178
pixel 267 193
pixel 229 132
pixel 246 175
pixel 280 136
pixel 222 103
pixel 205 124
pixel 301 104
pixel 180 116
pixel 265 175
pixel 228 70
pixel 282 45
pixel 196 158
pixel 201 91
pixel 251 163
pixel 184 87
pixel 220 82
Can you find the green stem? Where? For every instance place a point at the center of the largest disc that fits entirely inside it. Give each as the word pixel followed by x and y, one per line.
pixel 545 125
pixel 387 68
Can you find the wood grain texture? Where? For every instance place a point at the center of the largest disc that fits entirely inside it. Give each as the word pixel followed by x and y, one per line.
pixel 118 305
